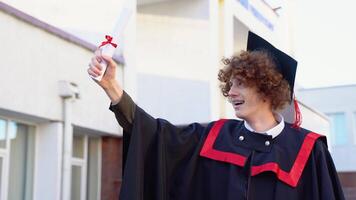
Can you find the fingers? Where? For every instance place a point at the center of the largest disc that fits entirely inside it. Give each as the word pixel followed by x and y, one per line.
pixel 101 57
pixel 95 62
pixel 94 71
pixel 109 60
pixel 98 55
pixel 97 52
pixel 91 73
pixel 94 66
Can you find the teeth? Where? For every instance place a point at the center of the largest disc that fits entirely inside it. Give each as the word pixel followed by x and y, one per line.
pixel 238 102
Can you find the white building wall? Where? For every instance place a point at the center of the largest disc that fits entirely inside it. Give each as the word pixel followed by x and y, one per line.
pixel 338 99
pixel 191 9
pixel 174 68
pixel 315 121
pixel 35 61
pixel 34 64
pixel 173 47
pixel 94 16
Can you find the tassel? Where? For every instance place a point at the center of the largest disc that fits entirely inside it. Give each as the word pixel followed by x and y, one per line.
pixel 297 115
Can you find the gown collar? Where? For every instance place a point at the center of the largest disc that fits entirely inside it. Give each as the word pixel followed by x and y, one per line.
pixel 275 131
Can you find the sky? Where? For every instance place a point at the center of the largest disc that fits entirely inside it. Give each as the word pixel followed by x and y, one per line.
pixel 324 33
pixel 325 43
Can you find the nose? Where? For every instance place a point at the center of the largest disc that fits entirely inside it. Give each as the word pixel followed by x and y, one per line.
pixel 232 92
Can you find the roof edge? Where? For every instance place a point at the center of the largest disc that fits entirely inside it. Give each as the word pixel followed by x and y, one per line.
pixel 322 115
pixel 52 29
pixel 328 87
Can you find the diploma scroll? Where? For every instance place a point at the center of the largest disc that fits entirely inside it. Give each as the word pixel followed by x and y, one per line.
pixel 109 46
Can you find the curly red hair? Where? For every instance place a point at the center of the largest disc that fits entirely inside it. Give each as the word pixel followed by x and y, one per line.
pixel 256 69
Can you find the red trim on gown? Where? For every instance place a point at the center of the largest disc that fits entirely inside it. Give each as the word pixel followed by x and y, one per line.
pixel 291 178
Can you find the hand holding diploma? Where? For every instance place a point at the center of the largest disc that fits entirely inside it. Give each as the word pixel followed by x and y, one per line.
pixel 102 68
pixel 108 78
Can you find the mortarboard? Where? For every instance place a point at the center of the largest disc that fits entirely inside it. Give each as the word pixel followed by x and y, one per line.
pixel 285 64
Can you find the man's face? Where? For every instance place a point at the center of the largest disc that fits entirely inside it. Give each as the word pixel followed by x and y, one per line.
pixel 246 101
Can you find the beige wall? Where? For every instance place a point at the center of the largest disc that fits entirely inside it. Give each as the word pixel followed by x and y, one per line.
pixel 175 51
pixel 31 72
pixel 174 47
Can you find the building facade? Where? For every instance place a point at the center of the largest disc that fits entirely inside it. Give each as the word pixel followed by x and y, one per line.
pixel 55 139
pixel 338 103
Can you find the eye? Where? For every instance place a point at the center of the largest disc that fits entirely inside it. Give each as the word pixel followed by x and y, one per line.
pixel 238 83
pixel 235 83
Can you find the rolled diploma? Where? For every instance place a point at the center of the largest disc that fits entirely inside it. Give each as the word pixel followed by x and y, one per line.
pixel 117 32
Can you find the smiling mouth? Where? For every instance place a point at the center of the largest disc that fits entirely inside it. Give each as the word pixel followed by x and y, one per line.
pixel 238 102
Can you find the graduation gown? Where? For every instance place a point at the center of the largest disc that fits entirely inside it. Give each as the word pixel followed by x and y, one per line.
pixel 223 160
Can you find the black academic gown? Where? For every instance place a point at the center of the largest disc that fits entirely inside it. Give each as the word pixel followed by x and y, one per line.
pixel 224 161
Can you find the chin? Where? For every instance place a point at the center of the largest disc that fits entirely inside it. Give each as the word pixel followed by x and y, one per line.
pixel 240 115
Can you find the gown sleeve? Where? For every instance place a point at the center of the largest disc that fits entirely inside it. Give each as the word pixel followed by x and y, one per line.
pixel 328 180
pixel 153 150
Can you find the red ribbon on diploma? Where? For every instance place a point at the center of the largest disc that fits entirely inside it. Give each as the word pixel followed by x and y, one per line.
pixel 108 41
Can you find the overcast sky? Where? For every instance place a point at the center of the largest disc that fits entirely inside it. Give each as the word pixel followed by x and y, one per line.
pixel 325 42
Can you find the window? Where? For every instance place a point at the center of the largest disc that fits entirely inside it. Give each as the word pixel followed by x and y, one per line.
pixel 79 157
pixel 17 143
pixel 86 166
pixel 76 182
pixel 339 130
pixel 2 134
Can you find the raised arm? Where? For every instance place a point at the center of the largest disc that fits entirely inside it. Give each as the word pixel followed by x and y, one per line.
pixel 121 103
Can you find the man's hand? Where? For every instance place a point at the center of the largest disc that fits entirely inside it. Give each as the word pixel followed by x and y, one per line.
pixel 108 81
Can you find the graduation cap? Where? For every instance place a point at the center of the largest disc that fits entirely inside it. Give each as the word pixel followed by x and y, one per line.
pixel 285 64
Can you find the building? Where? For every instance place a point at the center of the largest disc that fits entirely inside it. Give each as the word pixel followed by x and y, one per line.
pixel 338 103
pixel 40 123
pixel 170 50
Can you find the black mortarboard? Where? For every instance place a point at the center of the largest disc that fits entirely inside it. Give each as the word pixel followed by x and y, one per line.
pixel 286 65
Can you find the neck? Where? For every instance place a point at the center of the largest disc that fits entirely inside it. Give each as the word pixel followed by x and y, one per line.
pixel 262 121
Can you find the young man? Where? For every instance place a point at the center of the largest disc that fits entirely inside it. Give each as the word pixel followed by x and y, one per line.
pixel 258 157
